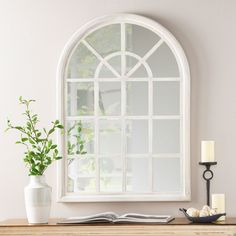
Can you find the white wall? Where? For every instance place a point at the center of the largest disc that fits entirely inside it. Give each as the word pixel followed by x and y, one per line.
pixel 32 35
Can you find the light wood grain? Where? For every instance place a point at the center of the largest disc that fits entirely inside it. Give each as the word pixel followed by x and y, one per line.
pixel 179 227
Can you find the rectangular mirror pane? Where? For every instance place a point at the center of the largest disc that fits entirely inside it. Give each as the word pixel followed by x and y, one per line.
pixel 80 136
pixel 86 185
pixel 136 182
pixel 137 136
pixel 110 166
pixel 110 98
pixel 137 98
pixel 111 174
pixel 81 173
pixel 109 137
pixel 166 136
pixel 166 175
pixel 111 184
pixel 80 101
pixel 166 98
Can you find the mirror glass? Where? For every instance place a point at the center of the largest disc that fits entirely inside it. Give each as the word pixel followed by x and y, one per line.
pixel 80 99
pixel 135 181
pixel 166 136
pixel 82 64
pixel 106 40
pixel 163 62
pixel 134 39
pixel 109 98
pixel 111 174
pixel 137 98
pixel 109 137
pixel 166 174
pixel 137 136
pixel 166 98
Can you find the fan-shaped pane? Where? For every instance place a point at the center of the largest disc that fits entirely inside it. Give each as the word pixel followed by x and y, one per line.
pixel 135 39
pixel 115 63
pixel 163 62
pixel 82 63
pixel 105 40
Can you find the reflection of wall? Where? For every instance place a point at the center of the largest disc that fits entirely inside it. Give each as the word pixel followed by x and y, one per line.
pixel 32 45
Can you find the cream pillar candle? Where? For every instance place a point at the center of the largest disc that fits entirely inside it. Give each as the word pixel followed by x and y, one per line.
pixel 208 151
pixel 218 203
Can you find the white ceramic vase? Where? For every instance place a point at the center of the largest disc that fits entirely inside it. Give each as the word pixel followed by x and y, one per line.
pixel 38 200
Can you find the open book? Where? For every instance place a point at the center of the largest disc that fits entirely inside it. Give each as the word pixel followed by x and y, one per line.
pixel 111 217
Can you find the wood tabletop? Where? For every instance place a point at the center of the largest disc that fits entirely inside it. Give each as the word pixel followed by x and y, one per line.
pixel 53 222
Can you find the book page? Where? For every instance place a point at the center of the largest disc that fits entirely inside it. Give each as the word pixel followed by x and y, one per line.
pixel 142 216
pixel 97 218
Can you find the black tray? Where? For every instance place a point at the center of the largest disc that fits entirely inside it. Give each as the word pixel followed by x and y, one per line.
pixel 204 219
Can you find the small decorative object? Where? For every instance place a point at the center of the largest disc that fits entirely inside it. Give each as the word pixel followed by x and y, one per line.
pixel 208 151
pixel 40 153
pixel 193 212
pixel 204 215
pixel 218 203
pixel 208 159
pixel 208 175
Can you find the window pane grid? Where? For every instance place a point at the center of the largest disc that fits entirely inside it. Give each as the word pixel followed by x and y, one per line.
pixel 124 117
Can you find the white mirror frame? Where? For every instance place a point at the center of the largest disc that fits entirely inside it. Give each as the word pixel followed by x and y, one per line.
pixel 185 80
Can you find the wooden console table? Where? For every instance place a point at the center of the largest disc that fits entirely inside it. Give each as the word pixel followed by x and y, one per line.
pixel 178 227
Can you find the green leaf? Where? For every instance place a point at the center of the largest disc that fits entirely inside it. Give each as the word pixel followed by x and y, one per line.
pixel 58 158
pixel 31 141
pixel 51 131
pixel 60 126
pixel 24 139
pixel 53 146
pixel 50 143
pixel 81 147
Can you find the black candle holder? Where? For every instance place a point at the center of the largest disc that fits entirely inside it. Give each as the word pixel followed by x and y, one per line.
pixel 208 178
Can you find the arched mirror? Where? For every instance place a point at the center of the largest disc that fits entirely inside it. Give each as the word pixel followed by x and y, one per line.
pixel 124 100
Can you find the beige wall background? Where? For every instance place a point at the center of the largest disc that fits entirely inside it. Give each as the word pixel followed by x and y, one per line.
pixel 32 36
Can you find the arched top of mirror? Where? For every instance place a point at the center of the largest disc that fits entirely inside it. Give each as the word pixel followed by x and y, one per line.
pixel 157 55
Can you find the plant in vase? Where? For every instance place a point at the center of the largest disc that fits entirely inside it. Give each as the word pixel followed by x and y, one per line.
pixel 79 137
pixel 40 153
